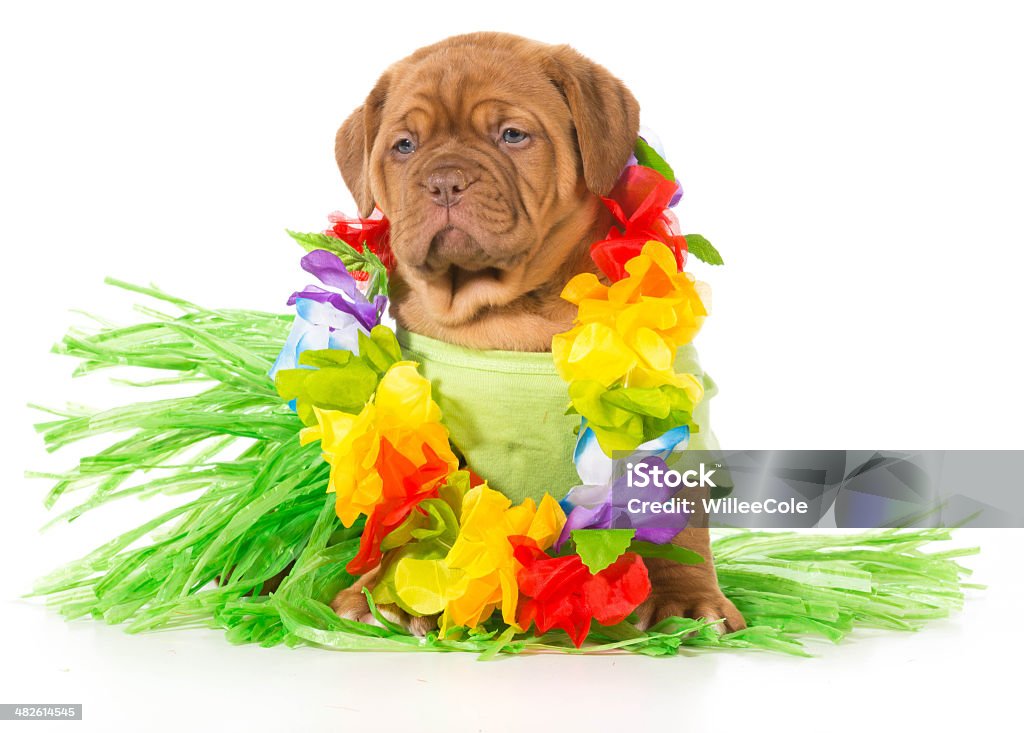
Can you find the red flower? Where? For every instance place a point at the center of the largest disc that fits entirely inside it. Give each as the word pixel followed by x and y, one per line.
pixel 639 202
pixel 374 234
pixel 560 592
pixel 405 485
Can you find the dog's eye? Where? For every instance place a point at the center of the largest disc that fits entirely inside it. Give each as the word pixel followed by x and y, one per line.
pixel 405 146
pixel 513 136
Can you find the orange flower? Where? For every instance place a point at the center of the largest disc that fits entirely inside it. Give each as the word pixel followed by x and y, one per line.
pixel 402 412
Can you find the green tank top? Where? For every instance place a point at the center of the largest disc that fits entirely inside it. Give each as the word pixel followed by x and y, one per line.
pixel 505 411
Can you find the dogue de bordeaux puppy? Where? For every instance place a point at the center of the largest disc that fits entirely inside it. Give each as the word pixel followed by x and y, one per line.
pixel 488 153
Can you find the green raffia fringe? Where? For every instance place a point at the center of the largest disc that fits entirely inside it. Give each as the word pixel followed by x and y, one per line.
pixel 256 506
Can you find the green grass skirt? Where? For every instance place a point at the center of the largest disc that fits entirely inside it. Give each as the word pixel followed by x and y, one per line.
pixel 254 505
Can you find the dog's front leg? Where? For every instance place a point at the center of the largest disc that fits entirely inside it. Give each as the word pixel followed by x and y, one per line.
pixel 690 591
pixel 351 604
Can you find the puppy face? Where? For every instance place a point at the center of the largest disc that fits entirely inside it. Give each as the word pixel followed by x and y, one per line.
pixel 486 152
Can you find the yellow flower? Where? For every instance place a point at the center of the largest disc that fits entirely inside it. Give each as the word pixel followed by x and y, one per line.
pixel 630 331
pixel 594 351
pixel 483 552
pixel 401 412
pixel 426 585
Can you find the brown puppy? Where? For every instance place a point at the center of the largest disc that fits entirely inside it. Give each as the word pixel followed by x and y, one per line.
pixel 488 153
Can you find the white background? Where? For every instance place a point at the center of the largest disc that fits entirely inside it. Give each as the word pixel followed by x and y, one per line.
pixel 859 165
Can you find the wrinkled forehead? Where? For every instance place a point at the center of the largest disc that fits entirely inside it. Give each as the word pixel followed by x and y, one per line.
pixel 464 92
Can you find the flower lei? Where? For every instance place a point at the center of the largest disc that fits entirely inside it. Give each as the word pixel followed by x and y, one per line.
pixel 449 544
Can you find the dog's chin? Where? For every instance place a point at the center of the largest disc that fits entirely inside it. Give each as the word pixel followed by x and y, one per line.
pixel 459 295
pixel 461 281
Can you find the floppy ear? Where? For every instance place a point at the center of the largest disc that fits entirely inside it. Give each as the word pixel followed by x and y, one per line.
pixel 604 111
pixel 353 143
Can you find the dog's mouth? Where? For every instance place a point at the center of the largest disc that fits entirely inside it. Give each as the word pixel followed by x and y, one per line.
pixel 466 284
pixel 460 278
pixel 456 262
pixel 457 294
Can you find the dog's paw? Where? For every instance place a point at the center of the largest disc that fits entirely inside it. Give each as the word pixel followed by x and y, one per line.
pixel 709 606
pixel 351 604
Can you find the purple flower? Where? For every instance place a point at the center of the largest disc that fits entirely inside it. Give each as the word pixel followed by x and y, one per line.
pixel 601 503
pixel 347 298
pixel 328 318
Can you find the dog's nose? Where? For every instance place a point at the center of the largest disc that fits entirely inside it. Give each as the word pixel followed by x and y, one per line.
pixel 446 185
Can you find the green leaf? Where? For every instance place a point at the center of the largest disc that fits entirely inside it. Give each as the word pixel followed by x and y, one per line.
pixel 454 491
pixel 443 525
pixel 614 427
pixel 703 250
pixel 649 157
pixel 599 548
pixel 353 259
pixel 346 389
pixel 624 417
pixel 640 400
pixel 435 528
pixel 424 536
pixel 438 520
pixel 320 358
pixel 310 241
pixel 342 381
pixel 668 551
pixel 677 418
pixel 380 349
pixel 678 397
